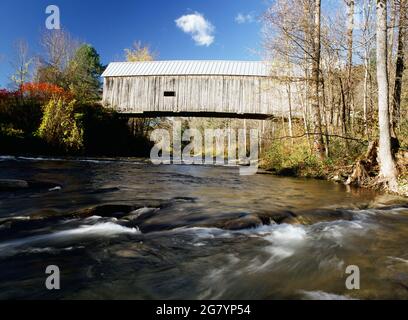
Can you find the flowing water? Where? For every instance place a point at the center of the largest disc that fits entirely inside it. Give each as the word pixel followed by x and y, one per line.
pixel 126 229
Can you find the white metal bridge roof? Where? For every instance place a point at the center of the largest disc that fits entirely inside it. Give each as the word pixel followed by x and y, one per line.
pixel 188 67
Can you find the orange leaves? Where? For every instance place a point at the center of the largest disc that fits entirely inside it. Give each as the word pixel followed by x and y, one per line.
pixel 32 94
pixel 43 91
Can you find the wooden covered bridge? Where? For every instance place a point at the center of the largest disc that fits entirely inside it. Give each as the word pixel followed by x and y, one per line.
pixel 227 89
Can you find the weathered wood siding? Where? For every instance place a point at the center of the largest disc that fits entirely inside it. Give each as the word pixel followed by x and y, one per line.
pixel 223 94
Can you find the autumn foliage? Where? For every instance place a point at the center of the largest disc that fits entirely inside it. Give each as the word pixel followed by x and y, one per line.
pixel 43 92
pixel 35 92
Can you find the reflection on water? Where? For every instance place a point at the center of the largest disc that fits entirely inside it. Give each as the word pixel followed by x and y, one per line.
pixel 128 229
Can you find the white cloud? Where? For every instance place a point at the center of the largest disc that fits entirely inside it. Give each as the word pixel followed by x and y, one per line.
pixel 201 30
pixel 244 18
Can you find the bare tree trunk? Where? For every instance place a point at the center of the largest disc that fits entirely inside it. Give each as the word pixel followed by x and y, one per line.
pixel 350 29
pixel 343 106
pixel 388 170
pixel 307 107
pixel 366 18
pixel 317 119
pixel 289 91
pixel 391 38
pixel 365 101
pixel 399 68
pixel 303 102
pixel 326 126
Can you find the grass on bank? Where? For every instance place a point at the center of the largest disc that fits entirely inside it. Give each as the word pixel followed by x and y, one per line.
pixel 294 157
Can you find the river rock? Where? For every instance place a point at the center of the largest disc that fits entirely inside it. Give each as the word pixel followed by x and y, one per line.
pixel 247 222
pixel 322 215
pixel 278 217
pixel 106 211
pixel 144 213
pixel 10 185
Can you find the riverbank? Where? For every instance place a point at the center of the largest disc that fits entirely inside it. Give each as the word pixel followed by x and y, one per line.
pixel 357 174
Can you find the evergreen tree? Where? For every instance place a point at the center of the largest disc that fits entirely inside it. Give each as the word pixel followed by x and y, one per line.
pixel 83 74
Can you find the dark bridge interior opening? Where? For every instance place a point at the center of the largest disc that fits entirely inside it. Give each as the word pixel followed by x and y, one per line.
pixel 161 114
pixel 169 93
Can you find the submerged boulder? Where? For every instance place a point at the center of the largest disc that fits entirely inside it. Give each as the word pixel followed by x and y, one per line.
pixel 11 184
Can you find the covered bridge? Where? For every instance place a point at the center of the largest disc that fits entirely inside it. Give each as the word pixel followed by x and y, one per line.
pixel 234 89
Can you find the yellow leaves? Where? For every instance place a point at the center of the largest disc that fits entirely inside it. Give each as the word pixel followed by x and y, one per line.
pixel 139 53
pixel 59 126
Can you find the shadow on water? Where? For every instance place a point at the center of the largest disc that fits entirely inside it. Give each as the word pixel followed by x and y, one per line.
pixel 127 229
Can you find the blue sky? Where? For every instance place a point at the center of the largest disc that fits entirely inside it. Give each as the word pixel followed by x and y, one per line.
pixel 227 29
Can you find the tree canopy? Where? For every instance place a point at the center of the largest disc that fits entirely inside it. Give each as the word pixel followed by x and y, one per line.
pixel 83 74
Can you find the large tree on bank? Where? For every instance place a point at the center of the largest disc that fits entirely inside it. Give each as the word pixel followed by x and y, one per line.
pixel 399 66
pixel 388 171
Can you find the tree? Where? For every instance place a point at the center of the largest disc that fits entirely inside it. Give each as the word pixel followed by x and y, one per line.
pixel 317 119
pixel 59 48
pixel 399 66
pixel 139 52
pixel 293 34
pixel 366 45
pixel 83 74
pixel 22 64
pixel 388 172
pixel 350 30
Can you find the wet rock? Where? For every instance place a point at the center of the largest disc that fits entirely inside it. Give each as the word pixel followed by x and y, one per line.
pixel 142 213
pixel 11 185
pixel 320 215
pixel 175 201
pixel 127 253
pixel 240 221
pixel 105 211
pixel 279 217
pixel 338 178
pixel 247 222
pixel 147 227
pixel 299 220
pixel 23 226
pixel 43 185
pixel 305 218
pixel 45 214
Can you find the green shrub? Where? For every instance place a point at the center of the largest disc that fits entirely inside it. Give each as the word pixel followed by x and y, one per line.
pixel 7 130
pixel 21 116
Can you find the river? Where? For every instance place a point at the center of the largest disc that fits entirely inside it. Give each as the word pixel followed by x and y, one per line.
pixel 126 229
